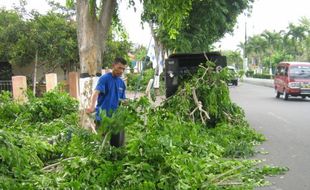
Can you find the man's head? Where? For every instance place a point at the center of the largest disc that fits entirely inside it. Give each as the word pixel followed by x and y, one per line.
pixel 118 66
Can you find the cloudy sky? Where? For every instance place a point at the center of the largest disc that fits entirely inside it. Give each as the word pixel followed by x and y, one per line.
pixel 272 15
pixel 266 15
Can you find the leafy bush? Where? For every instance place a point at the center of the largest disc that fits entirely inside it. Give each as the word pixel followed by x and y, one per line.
pixel 138 81
pixel 53 104
pixel 26 144
pixel 249 73
pixel 258 75
pixel 263 76
pixel 9 109
pixel 241 73
pixel 20 158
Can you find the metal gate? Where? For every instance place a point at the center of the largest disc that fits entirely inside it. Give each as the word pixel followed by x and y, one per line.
pixel 5 85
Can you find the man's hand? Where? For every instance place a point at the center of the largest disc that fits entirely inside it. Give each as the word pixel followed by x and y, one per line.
pixel 124 102
pixel 90 110
pixel 94 98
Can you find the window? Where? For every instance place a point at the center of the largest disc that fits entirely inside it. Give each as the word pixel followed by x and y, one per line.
pixel 300 71
pixel 278 71
pixel 281 70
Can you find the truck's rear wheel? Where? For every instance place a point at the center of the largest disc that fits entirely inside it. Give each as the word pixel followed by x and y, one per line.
pixel 277 94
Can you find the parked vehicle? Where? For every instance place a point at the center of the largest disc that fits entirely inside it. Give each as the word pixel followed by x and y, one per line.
pixel 233 75
pixel 182 65
pixel 292 79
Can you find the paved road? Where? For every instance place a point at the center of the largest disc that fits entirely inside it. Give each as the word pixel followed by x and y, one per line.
pixel 286 124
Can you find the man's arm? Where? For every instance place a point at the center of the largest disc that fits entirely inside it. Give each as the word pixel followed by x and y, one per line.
pixel 123 100
pixel 93 100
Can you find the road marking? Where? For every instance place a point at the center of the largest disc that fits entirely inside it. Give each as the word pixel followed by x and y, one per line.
pixel 278 117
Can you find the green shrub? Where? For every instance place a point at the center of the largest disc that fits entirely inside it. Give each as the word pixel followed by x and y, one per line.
pixel 53 104
pixel 138 81
pixel 241 73
pixel 9 109
pixel 249 73
pixel 263 76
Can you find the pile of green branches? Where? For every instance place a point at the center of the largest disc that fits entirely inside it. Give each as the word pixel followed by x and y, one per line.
pixel 197 139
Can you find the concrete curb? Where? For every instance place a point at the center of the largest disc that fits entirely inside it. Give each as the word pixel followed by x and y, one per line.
pixel 260 82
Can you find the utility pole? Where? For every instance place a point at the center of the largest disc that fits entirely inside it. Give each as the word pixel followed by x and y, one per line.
pixel 245 56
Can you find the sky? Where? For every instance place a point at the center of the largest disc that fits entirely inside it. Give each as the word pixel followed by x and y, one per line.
pixel 272 15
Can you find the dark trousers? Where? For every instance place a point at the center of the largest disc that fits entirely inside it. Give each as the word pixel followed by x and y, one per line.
pixel 117 140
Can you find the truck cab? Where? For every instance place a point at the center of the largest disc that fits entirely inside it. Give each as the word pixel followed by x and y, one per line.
pixel 292 79
pixel 180 66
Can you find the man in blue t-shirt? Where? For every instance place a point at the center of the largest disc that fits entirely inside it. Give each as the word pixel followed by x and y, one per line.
pixel 110 90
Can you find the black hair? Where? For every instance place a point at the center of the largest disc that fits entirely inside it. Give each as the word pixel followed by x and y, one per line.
pixel 120 60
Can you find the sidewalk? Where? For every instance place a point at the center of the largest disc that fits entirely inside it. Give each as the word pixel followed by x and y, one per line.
pixel 133 95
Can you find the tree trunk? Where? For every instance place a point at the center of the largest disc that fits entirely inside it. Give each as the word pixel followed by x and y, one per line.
pixel 159 48
pixel 92 33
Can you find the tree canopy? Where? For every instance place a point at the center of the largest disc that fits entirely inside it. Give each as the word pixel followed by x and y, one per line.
pixel 192 26
pixel 51 36
pixel 183 26
pixel 177 25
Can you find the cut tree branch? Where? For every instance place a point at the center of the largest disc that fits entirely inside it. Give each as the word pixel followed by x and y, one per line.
pixel 204 74
pixel 203 113
pixel 104 141
pixel 49 167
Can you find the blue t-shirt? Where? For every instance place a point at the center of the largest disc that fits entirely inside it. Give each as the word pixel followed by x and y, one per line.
pixel 112 89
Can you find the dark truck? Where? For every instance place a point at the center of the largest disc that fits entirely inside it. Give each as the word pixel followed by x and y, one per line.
pixel 180 66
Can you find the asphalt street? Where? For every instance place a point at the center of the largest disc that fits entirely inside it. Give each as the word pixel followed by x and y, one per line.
pixel 286 125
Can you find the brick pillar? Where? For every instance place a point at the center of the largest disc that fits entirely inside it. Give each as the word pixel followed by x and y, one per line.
pixel 19 86
pixel 87 86
pixel 74 84
pixel 51 81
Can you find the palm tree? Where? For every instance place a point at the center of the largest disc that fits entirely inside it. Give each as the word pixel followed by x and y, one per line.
pixel 234 58
pixel 305 22
pixel 295 36
pixel 274 43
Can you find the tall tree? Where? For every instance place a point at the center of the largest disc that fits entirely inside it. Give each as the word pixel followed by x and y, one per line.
pixel 234 59
pixel 295 36
pixel 273 40
pixel 305 22
pixel 256 47
pixel 59 41
pixel 12 29
pixel 192 26
pixel 117 45
pixel 48 40
pixel 171 19
pixel 93 24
